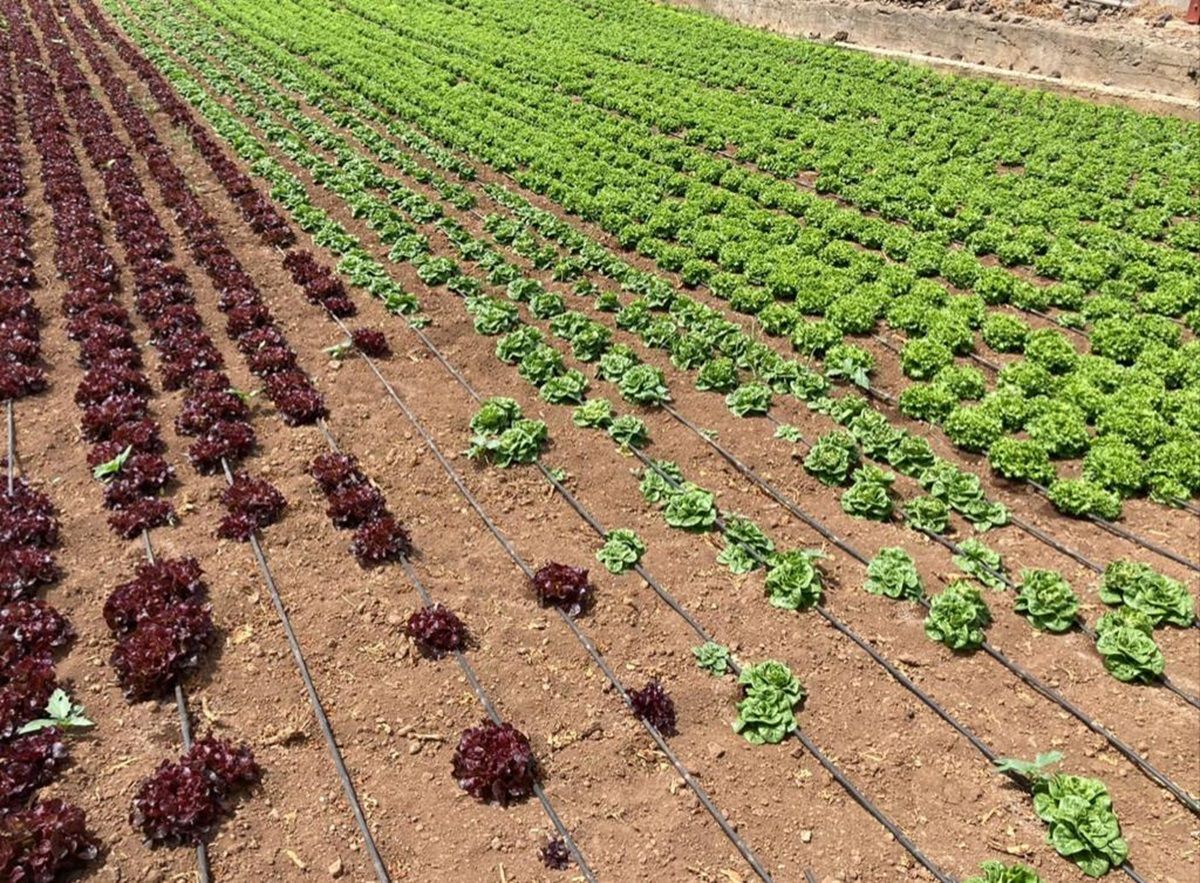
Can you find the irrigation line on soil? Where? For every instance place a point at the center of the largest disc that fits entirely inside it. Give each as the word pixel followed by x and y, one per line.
pixel 484 700
pixel 696 788
pixel 1027 677
pixel 203 870
pixel 860 798
pixel 314 700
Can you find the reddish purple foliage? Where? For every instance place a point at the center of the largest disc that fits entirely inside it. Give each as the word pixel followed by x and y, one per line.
pixel 27 688
pixel 370 343
pixel 330 471
pixel 27 763
pixel 653 705
pixel 379 541
pixel 227 440
pixel 182 801
pixel 353 504
pixel 176 805
pixel 252 503
pixel 162 649
pixel 563 586
pixel 494 762
pixel 157 586
pixel 145 514
pixel 23 569
pixel 30 628
pixel 204 409
pixel 43 843
pixel 555 855
pixel 229 765
pixel 436 631
pixel 24 527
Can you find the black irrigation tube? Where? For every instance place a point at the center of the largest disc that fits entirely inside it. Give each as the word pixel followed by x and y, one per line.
pixel 1125 534
pixel 481 694
pixel 203 870
pixel 1028 678
pixel 314 700
pixel 744 849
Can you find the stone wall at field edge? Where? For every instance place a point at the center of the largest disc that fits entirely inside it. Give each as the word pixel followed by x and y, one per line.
pixel 1031 46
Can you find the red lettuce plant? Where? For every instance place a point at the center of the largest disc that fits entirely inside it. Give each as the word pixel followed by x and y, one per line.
pixel 495 762
pixel 436 631
pixel 653 705
pixel 183 801
pixel 564 587
pixel 45 842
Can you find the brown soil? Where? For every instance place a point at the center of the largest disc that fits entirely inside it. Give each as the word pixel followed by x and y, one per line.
pixel 397 717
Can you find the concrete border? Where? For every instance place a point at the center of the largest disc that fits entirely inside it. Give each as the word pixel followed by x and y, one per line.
pixel 1046 55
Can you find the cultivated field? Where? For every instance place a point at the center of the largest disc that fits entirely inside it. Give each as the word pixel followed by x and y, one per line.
pixel 493 440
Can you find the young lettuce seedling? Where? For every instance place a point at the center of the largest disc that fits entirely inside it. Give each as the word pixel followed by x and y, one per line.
pixel 109 470
pixel 62 713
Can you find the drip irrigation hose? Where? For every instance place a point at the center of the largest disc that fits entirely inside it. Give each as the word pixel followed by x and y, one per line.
pixel 314 700
pixel 484 700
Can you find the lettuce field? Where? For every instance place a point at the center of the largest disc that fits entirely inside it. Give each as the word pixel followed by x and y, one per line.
pixel 475 440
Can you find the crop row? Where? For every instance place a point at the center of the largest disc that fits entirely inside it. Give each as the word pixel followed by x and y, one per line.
pixel 558 385
pixel 1136 447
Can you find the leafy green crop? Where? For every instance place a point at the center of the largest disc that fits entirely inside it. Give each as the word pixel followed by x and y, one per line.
pixel 996 872
pixel 1004 333
pixel 973 429
pixel 765 713
pixel 893 574
pixel 660 481
pixel 794 582
pixel 977 560
pixel 869 494
pixel 616 363
pixel 621 550
pixel 1083 827
pixel 1140 587
pixel 495 415
pixel 1080 497
pixel 567 388
pixel 928 514
pixel 643 385
pixel 1046 600
pixel 751 398
pixel 957 616
pixel 112 468
pixel 1124 638
pixel 693 509
pixel 787 432
pixel 1021 459
pixel 746 546
pixel 593 414
pixel 629 431
pixel 832 458
pixel 719 375
pixel 713 658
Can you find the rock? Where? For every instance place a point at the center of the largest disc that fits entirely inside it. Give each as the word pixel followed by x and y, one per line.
pixel 336 868
pixel 955 4
pixel 1089 15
